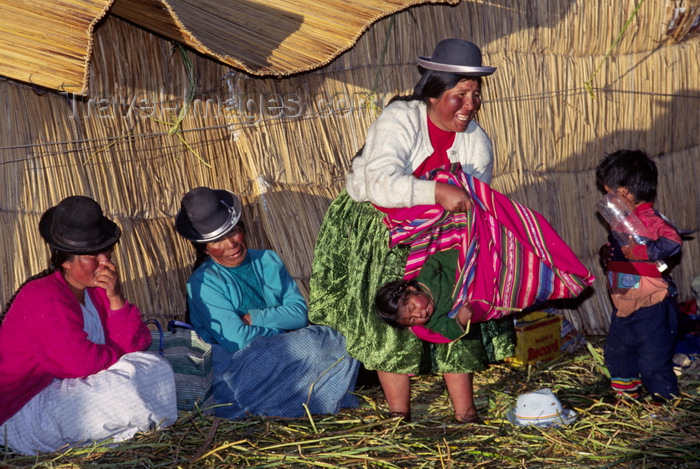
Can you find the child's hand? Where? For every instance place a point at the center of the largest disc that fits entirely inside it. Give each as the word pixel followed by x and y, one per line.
pixel 464 314
pixel 246 320
pixel 605 254
pixel 634 251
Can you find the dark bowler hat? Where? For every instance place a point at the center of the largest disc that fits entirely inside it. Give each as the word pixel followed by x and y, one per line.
pixel 207 214
pixel 456 56
pixel 77 226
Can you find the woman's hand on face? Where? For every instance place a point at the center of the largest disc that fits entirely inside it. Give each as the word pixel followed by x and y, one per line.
pixel 452 198
pixel 106 277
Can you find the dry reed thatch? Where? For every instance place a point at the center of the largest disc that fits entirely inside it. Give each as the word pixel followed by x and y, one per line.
pixel 29 46
pixel 607 433
pixel 263 38
pixel 49 43
pixel 575 80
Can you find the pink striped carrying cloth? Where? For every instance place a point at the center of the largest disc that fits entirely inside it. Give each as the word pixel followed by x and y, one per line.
pixel 510 258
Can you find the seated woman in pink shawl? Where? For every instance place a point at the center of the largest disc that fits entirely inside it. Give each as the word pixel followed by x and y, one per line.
pixel 73 366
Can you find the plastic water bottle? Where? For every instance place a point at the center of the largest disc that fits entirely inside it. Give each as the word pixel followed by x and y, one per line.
pixel 624 222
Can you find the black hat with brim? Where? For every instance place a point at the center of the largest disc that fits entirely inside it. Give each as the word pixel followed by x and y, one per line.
pixel 456 56
pixel 207 214
pixel 77 226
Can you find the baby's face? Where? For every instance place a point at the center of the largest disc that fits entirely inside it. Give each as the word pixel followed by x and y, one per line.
pixel 416 310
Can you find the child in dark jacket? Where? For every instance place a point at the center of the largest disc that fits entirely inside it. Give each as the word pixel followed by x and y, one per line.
pixel 640 344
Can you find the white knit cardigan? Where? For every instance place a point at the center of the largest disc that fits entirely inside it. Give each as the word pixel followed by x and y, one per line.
pixel 397 143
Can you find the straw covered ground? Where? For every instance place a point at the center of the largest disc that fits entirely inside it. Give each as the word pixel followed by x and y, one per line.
pixel 607 433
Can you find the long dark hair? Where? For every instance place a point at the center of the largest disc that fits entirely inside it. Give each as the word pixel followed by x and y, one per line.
pixel 200 250
pixel 390 298
pixel 433 84
pixel 57 259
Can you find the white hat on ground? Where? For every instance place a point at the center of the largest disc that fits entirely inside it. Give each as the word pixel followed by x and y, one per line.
pixel 540 408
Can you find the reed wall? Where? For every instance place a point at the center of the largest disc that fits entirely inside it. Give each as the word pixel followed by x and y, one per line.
pixel 576 79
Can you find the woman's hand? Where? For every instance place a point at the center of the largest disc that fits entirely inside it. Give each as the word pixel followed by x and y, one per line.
pixel 106 278
pixel 246 319
pixel 452 198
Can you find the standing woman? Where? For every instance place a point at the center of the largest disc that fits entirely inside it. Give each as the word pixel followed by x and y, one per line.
pixel 267 360
pixel 433 128
pixel 71 367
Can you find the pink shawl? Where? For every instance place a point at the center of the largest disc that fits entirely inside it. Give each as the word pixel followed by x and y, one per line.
pixel 510 258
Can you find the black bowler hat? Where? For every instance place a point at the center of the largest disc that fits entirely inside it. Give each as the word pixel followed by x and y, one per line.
pixel 207 214
pixel 76 225
pixel 456 56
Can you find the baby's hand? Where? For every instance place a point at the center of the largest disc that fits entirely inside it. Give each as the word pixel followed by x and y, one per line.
pixel 464 314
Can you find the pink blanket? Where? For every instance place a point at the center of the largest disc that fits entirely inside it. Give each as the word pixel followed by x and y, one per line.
pixel 510 256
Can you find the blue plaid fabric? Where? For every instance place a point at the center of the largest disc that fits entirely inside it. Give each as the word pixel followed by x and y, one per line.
pixel 275 376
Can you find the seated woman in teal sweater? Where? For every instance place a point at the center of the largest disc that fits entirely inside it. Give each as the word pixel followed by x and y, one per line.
pixel 233 305
pixel 267 359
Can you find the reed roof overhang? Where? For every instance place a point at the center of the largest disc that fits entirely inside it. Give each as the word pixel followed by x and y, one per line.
pixel 48 43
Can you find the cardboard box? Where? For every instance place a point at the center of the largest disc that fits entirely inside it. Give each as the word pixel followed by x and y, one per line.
pixel 538 338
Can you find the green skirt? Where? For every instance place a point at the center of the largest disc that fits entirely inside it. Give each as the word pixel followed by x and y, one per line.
pixel 351 261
